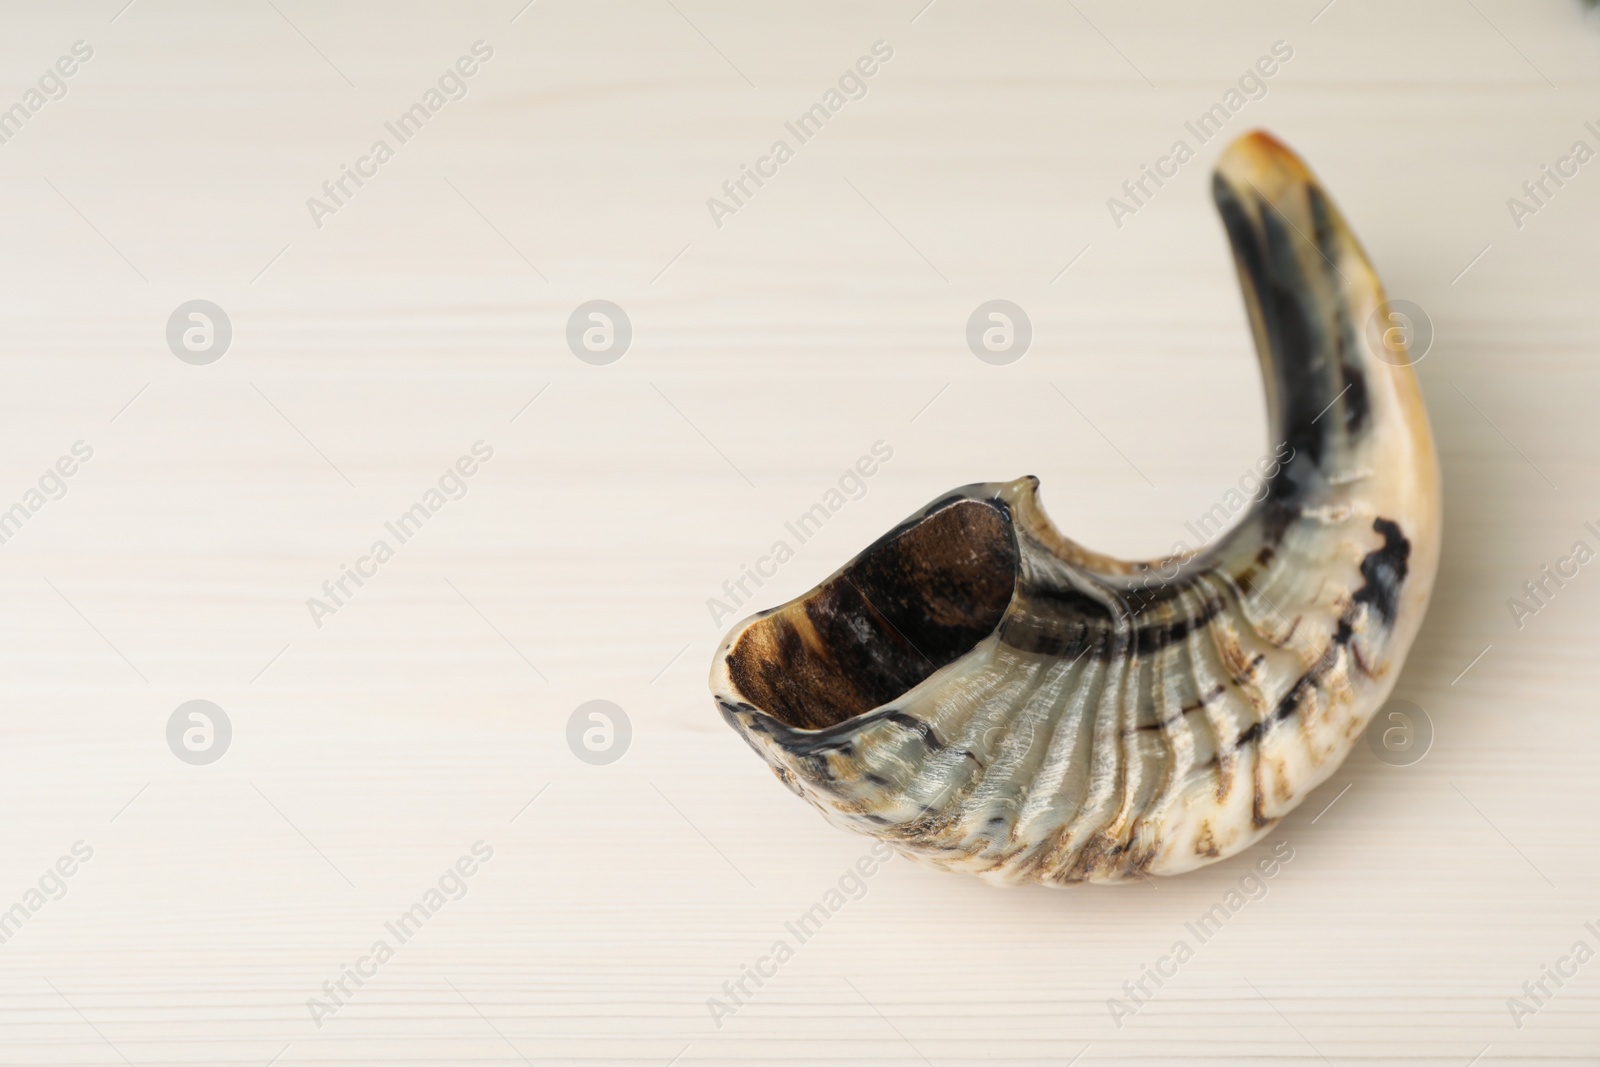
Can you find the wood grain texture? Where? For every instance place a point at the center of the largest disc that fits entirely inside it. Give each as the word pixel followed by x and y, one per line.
pixel 769 353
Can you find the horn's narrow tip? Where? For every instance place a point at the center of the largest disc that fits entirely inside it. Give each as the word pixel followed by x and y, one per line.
pixel 1259 161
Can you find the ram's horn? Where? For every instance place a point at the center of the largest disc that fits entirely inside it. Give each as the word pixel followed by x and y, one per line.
pixel 985 694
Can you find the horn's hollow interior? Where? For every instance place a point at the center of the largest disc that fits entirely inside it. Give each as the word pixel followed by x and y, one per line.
pixel 917 600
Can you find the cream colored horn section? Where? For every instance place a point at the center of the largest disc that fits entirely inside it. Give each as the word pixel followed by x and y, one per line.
pixel 986 695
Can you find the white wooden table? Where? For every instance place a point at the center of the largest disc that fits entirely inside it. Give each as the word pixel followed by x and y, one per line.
pixel 827 313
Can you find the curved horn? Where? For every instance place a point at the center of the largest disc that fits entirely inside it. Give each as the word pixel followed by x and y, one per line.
pixel 984 694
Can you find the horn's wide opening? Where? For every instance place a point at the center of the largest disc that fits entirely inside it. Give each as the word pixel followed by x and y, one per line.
pixel 912 603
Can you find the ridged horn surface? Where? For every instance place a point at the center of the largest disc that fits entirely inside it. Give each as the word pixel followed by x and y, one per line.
pixel 986 695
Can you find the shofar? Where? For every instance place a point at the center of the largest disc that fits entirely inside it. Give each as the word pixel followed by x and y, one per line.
pixel 987 695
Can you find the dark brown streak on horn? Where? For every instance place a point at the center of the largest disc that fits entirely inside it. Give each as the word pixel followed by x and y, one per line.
pixel 1308 368
pixel 1383 571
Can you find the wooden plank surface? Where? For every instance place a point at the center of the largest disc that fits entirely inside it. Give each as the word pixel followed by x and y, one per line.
pixel 372 346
